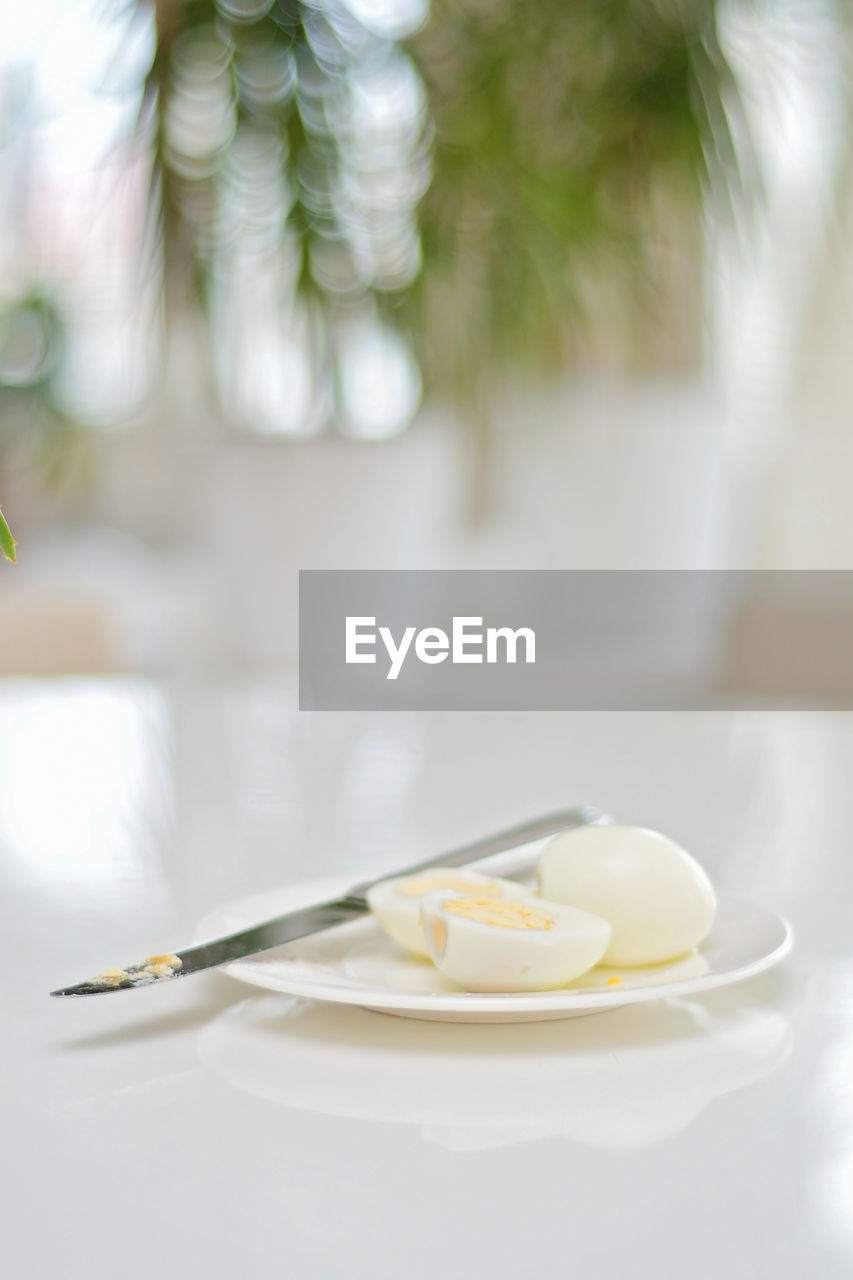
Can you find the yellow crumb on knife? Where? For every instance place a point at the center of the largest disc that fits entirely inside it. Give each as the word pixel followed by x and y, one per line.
pixel 111 978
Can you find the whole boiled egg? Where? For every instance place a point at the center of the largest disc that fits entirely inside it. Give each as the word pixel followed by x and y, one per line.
pixel 500 944
pixel 396 903
pixel 659 901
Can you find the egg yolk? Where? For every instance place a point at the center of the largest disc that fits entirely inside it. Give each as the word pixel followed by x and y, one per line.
pixel 506 915
pixel 438 929
pixel 419 885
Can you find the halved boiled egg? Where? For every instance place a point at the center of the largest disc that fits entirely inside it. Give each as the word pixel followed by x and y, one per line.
pixel 658 899
pixel 520 944
pixel 396 903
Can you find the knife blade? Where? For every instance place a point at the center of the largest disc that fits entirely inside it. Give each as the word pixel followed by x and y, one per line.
pixel 324 915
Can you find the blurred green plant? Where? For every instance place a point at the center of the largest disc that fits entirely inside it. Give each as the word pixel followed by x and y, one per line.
pixel 34 430
pixel 538 145
pixel 551 131
pixel 558 128
pixel 7 542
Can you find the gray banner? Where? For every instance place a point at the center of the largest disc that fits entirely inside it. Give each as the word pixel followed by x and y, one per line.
pixel 574 640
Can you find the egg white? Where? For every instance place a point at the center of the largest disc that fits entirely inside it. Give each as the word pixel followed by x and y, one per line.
pixel 398 911
pixel 492 957
pixel 657 897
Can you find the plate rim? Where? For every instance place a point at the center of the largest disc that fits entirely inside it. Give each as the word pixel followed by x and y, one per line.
pixel 459 1002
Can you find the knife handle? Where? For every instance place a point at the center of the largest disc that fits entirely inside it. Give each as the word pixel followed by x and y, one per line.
pixel 511 838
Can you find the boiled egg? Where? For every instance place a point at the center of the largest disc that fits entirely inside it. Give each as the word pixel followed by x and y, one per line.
pixel 520 944
pixel 396 903
pixel 659 901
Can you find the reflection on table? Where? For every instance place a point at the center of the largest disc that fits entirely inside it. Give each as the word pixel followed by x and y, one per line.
pixel 624 1079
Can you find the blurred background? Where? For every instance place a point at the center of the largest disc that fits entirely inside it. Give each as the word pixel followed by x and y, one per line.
pixel 389 284
pixel 384 283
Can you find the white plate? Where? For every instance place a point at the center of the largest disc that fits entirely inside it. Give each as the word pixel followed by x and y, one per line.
pixel 357 964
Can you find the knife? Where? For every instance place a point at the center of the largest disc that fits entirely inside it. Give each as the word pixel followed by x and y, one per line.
pixel 308 920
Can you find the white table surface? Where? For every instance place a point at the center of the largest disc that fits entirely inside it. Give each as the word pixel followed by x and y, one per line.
pixel 204 1129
